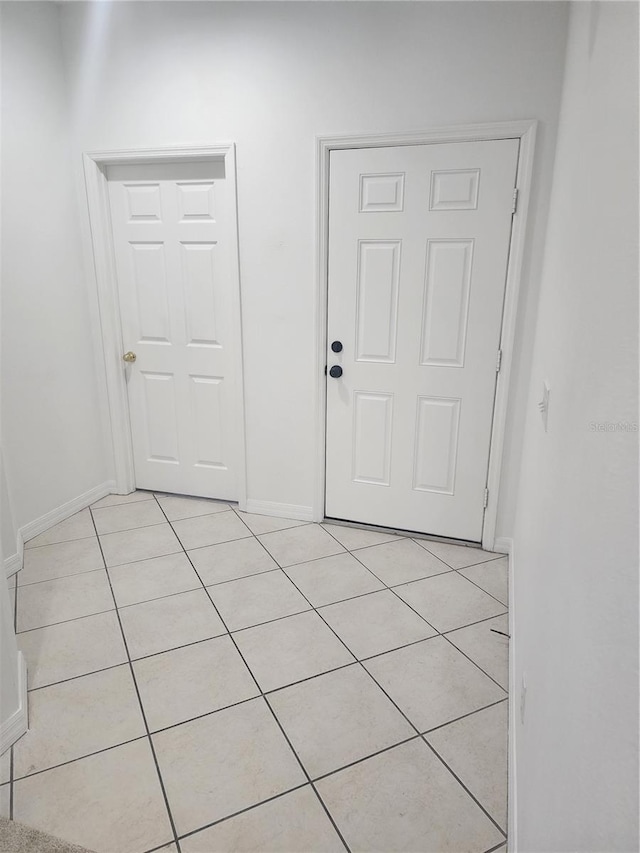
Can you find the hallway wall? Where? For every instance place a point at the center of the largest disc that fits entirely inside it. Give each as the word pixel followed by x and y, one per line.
pixel 272 76
pixel 53 443
pixel 576 535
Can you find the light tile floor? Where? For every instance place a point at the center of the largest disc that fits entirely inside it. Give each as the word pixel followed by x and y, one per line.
pixel 204 680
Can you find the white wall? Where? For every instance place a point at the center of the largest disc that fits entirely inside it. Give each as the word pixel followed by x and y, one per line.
pixel 272 76
pixel 576 536
pixel 52 433
pixel 13 710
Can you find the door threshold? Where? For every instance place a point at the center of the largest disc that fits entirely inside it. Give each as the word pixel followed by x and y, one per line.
pixel 376 528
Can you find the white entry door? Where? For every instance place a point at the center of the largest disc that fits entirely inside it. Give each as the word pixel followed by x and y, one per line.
pixel 179 309
pixel 418 249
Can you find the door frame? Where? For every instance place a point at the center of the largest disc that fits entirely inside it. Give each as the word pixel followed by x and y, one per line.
pixel 525 131
pixel 95 166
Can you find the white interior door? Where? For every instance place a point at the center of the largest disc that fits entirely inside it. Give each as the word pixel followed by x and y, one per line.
pixel 418 249
pixel 179 309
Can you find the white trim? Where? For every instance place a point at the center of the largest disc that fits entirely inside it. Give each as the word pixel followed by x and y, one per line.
pixel 34 528
pixel 525 131
pixel 295 511
pixel 18 723
pixel 502 544
pixel 13 563
pixel 95 164
pixel 512 777
pixel 55 516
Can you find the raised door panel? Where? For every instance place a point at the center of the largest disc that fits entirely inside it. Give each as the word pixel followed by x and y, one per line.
pixel 149 280
pixel 372 432
pixel 199 275
pixel 446 302
pixel 377 299
pixel 208 421
pixel 436 445
pixel 160 417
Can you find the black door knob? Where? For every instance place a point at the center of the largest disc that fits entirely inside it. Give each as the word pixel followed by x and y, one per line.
pixel 336 371
pixel 336 346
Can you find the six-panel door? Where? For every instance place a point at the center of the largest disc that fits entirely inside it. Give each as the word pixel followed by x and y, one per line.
pixel 176 291
pixel 418 249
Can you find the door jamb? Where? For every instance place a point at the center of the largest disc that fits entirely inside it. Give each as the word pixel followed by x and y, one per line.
pixel 95 164
pixel 525 131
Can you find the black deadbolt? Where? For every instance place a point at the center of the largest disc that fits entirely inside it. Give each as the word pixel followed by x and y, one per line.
pixel 336 346
pixel 336 371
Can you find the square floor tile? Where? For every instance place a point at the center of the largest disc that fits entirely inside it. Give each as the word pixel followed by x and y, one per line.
pixel 114 500
pixel 195 680
pixel 475 748
pixel 456 556
pixel 406 800
pixel 219 764
pixel 401 561
pixel 113 519
pixel 338 718
pixel 59 600
pixel 433 683
pixel 449 601
pixel 291 649
pixel 488 649
pixel 261 598
pixel 78 717
pixel 300 544
pixel 176 507
pixel 106 802
pixel 141 544
pixel 258 524
pixel 72 648
pixel 48 562
pixel 210 529
pixel 77 526
pixel 292 823
pixel 231 560
pixel 165 623
pixel 356 537
pixel 376 623
pixel 492 576
pixel 333 579
pixel 155 578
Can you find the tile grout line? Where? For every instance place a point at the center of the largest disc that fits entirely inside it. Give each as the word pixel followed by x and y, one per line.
pixel 312 608
pixel 262 694
pixel 241 811
pixel 415 728
pixel 439 633
pixel 81 758
pixel 142 711
pixel 467 789
pixel 481 588
pixel 11 784
pixel 498 846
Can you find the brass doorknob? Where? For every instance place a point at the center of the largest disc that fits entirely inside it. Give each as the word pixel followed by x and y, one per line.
pixel 129 357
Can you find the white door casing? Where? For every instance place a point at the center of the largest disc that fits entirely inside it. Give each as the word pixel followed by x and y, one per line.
pixel 173 245
pixel 418 250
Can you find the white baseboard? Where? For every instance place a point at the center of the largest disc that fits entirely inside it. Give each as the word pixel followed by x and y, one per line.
pixel 295 511
pixel 18 722
pixel 13 563
pixel 55 516
pixel 502 544
pixel 512 809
